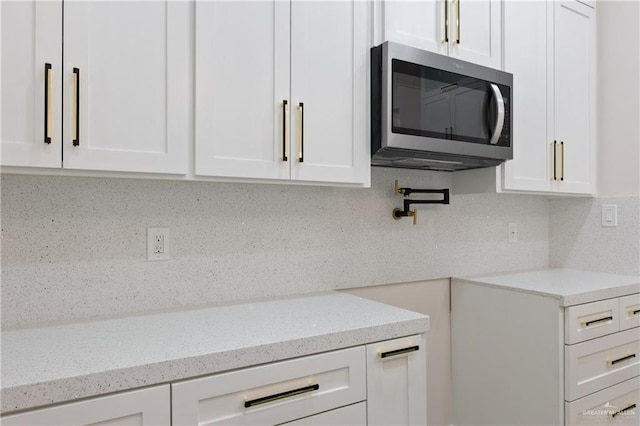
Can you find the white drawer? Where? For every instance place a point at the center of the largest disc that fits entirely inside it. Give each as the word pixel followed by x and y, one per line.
pixel 617 405
pixel 630 311
pixel 143 407
pixel 273 393
pixel 591 320
pixel 602 362
pixel 352 415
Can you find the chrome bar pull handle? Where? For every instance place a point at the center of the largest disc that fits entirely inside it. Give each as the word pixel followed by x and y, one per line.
pixel 75 113
pixel 281 395
pixel 555 161
pixel 624 358
pixel 458 22
pixel 285 130
pixel 561 160
pixel 399 351
pixel 48 122
pixel 592 322
pixel 301 132
pixel 632 406
pixel 446 22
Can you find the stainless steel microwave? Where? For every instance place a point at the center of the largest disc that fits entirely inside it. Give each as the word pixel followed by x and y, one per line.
pixel 430 111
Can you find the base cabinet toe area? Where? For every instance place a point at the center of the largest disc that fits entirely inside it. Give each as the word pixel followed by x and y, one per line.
pixel 378 383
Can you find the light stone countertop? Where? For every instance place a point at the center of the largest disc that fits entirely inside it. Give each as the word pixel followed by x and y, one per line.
pixel 47 365
pixel 569 286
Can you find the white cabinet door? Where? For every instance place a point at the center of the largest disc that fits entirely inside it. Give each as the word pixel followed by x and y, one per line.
pixel 397 382
pixel 526 56
pixel 31 38
pixel 475 31
pixel 130 62
pixel 146 407
pixel 242 79
pixel 574 95
pixel 329 91
pixel 419 24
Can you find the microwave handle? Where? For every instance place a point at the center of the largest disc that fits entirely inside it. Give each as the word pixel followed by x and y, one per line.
pixel 499 124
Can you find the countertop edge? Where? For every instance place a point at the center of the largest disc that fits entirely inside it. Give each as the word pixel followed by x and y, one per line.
pixel 98 384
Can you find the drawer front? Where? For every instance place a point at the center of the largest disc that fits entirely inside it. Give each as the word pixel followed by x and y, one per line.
pixel 144 407
pixel 352 415
pixel 630 311
pixel 617 405
pixel 273 393
pixel 600 363
pixel 591 320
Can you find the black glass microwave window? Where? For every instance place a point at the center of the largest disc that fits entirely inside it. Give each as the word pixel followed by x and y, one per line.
pixel 445 105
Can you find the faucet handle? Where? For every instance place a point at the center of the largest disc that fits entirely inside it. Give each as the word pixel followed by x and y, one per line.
pixel 414 215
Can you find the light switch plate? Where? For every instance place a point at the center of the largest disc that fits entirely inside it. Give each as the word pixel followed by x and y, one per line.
pixel 609 215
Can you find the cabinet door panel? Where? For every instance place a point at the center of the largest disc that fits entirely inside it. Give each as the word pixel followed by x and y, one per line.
pixel 397 384
pixel 574 79
pixel 242 77
pixel 328 75
pixel 477 25
pixel 31 37
pixel 133 65
pixel 526 56
pixel 419 24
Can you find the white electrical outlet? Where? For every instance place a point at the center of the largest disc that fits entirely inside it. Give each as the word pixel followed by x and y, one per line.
pixel 513 232
pixel 158 244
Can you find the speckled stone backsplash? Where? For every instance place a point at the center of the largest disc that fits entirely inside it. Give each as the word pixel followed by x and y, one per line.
pixel 578 240
pixel 75 248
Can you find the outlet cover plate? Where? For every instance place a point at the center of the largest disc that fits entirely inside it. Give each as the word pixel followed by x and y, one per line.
pixel 155 235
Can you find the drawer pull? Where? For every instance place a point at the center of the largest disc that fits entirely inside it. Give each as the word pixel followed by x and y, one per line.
pixel 399 351
pixel 636 312
pixel 588 323
pixel 615 361
pixel 281 395
pixel 623 410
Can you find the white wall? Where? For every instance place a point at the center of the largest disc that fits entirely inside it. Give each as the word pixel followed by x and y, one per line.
pixel 75 247
pixel 618 98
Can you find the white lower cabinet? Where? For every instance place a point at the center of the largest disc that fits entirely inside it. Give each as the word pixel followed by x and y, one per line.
pixel 144 407
pixel 521 359
pixel 381 383
pixel 393 397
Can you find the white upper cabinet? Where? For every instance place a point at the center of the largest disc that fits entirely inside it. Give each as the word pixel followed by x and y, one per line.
pixel 123 84
pixel 31 77
pixel 277 95
pixel 466 29
pixel 549 47
pixel 574 103
pixel 242 79
pixel 329 91
pixel 526 56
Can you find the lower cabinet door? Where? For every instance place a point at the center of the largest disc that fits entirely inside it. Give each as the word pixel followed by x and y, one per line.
pixel 274 393
pixel 145 407
pixel 397 382
pixel 617 405
pixel 352 415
